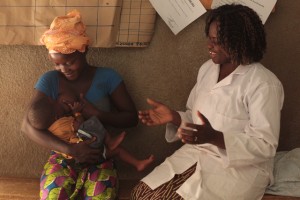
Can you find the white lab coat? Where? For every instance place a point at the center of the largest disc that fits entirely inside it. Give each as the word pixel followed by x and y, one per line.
pixel 245 106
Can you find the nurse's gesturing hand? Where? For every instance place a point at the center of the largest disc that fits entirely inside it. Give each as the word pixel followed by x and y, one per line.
pixel 159 114
pixel 190 133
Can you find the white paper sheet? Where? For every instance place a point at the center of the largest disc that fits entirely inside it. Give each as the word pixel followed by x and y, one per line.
pixel 262 7
pixel 178 13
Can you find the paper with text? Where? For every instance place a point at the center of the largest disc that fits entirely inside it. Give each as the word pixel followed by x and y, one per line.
pixel 178 13
pixel 263 8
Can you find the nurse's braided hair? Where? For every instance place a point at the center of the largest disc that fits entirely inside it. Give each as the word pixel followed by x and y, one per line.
pixel 240 32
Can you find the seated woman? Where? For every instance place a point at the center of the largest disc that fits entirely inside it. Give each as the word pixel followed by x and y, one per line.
pixel 230 129
pixel 102 88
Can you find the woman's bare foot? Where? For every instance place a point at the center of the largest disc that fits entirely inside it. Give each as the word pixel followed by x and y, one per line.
pixel 144 163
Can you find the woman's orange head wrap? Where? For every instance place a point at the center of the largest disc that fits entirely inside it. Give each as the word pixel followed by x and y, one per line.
pixel 66 34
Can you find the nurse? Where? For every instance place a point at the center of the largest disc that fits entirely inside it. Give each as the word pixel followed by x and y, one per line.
pixel 230 129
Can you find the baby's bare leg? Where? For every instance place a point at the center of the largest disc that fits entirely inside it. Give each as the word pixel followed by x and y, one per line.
pixel 143 164
pixel 113 142
pixel 125 156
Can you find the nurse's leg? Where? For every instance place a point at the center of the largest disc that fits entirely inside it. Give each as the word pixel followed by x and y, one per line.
pixel 168 190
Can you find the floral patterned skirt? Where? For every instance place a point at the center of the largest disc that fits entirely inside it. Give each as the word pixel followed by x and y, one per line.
pixel 65 179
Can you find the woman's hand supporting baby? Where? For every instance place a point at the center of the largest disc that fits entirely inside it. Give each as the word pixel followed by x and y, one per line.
pixel 83 153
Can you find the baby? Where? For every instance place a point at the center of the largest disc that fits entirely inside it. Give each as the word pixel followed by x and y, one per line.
pixel 73 128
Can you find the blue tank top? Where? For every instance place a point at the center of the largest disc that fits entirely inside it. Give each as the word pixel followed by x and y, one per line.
pixel 105 81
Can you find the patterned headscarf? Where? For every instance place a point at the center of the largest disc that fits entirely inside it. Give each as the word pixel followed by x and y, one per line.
pixel 66 34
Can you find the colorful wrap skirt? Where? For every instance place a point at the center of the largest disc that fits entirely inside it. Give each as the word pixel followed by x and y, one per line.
pixel 65 179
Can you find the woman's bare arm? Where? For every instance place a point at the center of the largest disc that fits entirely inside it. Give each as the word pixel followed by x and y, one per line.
pixel 81 152
pixel 41 136
pixel 125 115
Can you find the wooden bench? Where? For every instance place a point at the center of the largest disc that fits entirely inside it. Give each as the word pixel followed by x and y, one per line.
pixel 28 189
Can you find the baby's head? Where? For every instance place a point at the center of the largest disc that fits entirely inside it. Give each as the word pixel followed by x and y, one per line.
pixel 45 111
pixel 42 113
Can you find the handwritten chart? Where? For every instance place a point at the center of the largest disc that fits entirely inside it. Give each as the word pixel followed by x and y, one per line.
pixel 110 23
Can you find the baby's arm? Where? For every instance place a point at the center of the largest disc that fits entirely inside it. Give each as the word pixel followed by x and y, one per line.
pixel 113 142
pixel 76 108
